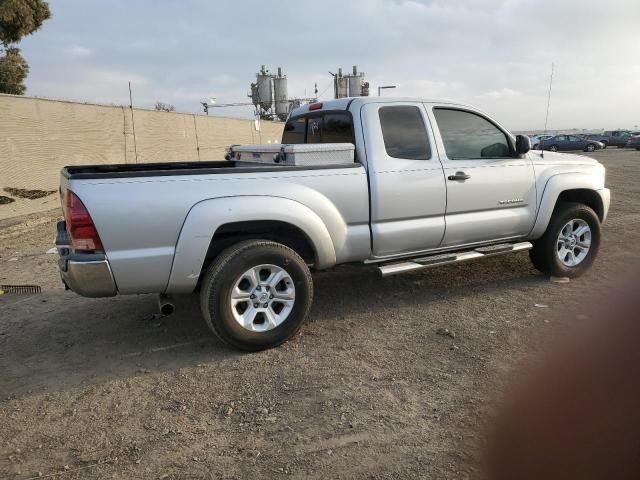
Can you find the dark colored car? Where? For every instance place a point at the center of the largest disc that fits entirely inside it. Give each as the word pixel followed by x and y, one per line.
pixel 612 138
pixel 561 143
pixel 634 142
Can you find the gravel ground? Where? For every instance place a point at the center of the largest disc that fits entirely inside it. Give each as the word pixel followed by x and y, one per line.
pixel 96 388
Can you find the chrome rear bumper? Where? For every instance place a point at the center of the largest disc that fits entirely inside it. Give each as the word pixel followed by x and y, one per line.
pixel 87 274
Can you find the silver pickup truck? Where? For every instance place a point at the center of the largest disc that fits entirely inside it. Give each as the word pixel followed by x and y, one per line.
pixel 430 183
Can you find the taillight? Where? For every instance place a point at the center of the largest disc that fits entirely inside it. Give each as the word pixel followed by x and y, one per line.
pixel 83 233
pixel 315 106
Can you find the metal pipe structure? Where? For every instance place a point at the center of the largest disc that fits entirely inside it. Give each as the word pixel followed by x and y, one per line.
pixel 384 87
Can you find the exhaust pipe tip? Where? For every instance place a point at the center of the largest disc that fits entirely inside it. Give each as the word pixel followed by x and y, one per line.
pixel 165 305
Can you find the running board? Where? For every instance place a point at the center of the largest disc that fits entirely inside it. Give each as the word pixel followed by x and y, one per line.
pixel 453 257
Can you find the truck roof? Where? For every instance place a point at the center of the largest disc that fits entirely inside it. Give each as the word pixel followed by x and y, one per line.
pixel 345 103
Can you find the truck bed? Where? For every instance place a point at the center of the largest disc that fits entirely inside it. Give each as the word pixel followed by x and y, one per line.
pixel 122 170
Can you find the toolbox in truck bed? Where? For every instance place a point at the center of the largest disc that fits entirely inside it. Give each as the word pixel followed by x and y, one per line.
pixel 306 154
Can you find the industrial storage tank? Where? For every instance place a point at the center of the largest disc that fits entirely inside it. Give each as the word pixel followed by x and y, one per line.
pixel 355 83
pixel 281 95
pixel 341 85
pixel 265 89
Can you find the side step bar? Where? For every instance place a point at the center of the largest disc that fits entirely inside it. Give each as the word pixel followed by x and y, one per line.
pixel 453 257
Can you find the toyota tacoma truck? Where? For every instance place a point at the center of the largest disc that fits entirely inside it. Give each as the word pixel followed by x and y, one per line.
pixel 428 183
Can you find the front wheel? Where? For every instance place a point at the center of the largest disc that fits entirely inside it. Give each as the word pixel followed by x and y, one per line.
pixel 553 148
pixel 570 243
pixel 256 294
pixel 590 148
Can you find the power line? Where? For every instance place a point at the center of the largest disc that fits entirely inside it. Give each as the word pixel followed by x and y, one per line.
pixel 328 87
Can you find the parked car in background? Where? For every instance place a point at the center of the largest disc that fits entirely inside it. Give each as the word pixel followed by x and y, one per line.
pixel 634 141
pixel 613 138
pixel 537 139
pixel 561 143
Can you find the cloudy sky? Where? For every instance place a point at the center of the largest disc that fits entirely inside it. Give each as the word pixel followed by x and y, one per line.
pixel 495 54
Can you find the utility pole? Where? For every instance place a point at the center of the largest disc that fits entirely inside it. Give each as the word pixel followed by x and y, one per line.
pixel 133 123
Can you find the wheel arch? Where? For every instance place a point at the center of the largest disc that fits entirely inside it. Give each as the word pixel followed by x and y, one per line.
pixel 575 187
pixel 213 225
pixel 275 230
pixel 586 196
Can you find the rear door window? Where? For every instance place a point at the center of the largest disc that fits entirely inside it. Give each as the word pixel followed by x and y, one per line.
pixel 404 132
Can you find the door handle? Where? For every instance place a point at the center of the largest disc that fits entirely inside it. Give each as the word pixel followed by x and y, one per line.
pixel 459 176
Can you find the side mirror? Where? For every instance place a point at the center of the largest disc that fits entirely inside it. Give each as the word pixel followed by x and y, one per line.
pixel 523 144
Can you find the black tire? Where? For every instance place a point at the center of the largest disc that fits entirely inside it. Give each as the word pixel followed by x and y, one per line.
pixel 544 254
pixel 228 268
pixel 553 148
pixel 590 148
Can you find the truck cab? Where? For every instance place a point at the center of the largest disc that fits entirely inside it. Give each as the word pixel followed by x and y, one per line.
pixel 441 175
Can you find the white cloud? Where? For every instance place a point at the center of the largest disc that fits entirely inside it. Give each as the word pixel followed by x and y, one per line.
pixel 502 93
pixel 99 85
pixel 78 51
pixel 495 54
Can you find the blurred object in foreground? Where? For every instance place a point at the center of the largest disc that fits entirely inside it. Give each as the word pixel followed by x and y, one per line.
pixel 577 416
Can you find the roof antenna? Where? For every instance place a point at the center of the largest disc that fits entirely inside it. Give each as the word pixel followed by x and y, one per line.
pixel 546 118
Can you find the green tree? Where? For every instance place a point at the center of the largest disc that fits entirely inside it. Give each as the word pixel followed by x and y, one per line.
pixel 13 72
pixel 18 18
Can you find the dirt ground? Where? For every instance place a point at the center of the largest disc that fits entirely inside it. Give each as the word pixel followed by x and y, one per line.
pixel 98 388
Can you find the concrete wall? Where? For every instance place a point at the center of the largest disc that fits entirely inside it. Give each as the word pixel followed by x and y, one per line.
pixel 38 137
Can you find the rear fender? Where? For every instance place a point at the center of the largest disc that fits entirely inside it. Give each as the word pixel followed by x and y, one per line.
pixel 206 217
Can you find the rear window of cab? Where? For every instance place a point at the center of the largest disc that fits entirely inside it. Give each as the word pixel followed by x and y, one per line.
pixel 325 127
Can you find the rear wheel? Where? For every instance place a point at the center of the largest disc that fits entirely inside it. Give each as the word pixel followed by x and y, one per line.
pixel 256 294
pixel 570 243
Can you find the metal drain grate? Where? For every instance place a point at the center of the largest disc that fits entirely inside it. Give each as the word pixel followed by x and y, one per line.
pixel 20 289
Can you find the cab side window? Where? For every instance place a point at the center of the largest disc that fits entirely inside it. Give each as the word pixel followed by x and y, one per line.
pixel 467 135
pixel 404 132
